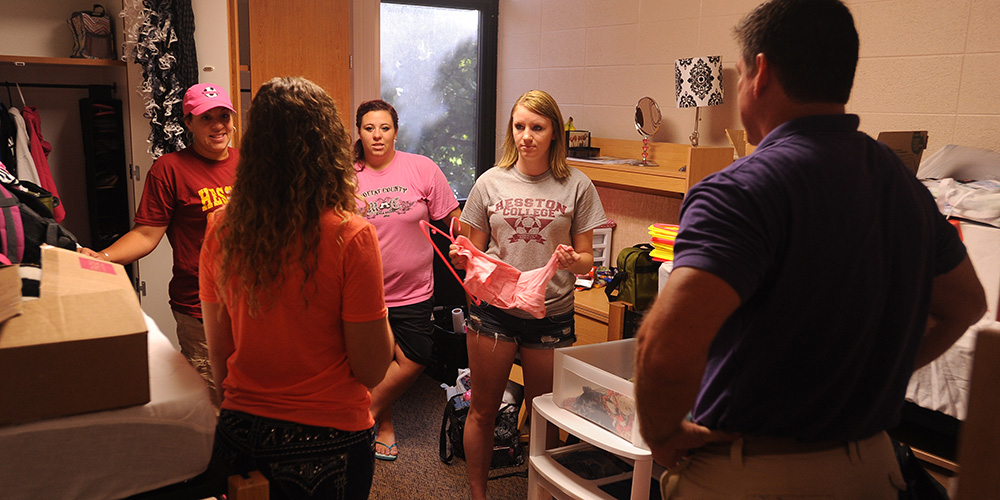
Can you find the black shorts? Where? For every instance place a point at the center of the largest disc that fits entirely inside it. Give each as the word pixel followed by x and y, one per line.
pixel 549 332
pixel 414 330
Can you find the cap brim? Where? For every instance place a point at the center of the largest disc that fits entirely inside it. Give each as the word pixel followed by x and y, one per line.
pixel 208 106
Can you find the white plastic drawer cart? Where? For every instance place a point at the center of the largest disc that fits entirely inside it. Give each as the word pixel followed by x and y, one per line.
pixel 546 476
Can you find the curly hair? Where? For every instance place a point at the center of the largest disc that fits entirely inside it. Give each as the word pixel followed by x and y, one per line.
pixel 295 164
pixel 541 103
pixel 363 109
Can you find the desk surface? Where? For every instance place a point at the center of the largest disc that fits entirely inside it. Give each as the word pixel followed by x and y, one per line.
pixel 592 303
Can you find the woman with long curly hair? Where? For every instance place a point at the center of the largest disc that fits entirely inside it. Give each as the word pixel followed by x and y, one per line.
pixel 291 287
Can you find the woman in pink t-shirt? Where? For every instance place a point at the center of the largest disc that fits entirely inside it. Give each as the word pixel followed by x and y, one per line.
pixel 401 190
pixel 293 304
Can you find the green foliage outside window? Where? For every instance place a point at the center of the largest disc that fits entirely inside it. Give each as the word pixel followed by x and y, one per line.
pixel 450 139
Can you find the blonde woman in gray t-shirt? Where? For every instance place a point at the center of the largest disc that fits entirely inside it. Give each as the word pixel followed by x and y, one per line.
pixel 520 212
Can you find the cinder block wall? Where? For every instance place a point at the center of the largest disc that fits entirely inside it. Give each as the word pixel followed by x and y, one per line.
pixel 925 64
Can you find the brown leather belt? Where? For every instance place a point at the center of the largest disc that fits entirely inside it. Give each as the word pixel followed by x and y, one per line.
pixel 762 445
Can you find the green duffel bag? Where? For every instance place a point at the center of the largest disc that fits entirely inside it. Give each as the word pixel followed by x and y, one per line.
pixel 636 277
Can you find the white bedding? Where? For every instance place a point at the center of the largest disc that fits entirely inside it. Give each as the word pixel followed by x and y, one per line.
pixel 116 453
pixel 943 385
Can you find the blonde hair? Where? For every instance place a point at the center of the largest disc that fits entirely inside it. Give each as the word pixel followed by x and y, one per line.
pixel 541 103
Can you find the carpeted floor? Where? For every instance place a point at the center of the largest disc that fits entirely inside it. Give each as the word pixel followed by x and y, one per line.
pixel 418 473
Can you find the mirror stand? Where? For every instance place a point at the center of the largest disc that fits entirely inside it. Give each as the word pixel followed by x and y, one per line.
pixel 645 151
pixel 647 122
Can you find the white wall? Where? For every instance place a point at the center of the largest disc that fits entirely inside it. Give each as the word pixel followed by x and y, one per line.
pixel 211 35
pixel 924 64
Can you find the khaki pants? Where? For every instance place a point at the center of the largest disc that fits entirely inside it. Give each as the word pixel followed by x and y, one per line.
pixel 194 347
pixel 764 469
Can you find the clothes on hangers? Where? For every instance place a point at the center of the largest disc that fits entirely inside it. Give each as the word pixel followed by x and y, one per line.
pixel 25 164
pixel 22 148
pixel 40 149
pixel 8 140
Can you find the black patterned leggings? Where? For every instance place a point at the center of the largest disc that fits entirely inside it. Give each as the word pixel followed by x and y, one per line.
pixel 299 461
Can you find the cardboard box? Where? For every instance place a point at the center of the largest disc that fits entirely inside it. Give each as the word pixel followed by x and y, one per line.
pixel 79 347
pixel 908 145
pixel 593 381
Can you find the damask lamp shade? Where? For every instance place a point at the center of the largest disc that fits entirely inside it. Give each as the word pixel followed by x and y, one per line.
pixel 698 82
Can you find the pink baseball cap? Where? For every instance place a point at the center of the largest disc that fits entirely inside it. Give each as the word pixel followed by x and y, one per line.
pixel 205 96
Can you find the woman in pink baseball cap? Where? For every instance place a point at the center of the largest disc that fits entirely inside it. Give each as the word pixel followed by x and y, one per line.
pixel 181 189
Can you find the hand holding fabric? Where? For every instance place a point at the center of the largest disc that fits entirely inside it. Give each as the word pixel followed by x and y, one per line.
pixel 566 256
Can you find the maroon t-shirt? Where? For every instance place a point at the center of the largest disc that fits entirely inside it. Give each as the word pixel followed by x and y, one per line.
pixel 181 189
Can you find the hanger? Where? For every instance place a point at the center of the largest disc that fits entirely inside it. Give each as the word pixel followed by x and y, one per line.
pixel 9 98
pixel 23 104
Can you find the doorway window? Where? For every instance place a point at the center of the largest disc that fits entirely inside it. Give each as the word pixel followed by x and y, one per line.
pixel 438 69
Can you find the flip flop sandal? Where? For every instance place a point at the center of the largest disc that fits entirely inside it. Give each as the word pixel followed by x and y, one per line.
pixel 386 456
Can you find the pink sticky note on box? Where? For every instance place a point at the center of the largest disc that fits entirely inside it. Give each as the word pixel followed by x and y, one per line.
pixel 96 265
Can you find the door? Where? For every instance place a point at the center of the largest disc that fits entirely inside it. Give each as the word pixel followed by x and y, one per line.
pixel 309 38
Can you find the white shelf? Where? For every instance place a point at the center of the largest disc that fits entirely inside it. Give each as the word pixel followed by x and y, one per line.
pixel 602 246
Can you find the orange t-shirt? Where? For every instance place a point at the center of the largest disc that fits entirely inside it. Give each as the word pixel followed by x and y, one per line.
pixel 290 361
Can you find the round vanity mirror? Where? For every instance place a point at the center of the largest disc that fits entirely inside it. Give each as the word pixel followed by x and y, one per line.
pixel 647 122
pixel 647 117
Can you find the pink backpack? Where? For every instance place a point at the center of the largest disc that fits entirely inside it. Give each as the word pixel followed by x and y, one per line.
pixel 26 222
pixel 11 228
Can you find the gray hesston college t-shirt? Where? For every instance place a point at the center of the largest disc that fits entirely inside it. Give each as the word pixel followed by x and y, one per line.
pixel 528 217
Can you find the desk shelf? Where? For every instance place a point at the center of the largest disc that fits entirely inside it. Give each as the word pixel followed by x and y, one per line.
pixel 679 167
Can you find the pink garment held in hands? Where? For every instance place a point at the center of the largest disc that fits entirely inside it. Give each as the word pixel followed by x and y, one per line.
pixel 498 282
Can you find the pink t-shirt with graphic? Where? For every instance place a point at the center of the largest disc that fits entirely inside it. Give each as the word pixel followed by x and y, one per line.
pixel 410 189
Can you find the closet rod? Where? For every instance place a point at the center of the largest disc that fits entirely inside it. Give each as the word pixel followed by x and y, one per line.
pixel 113 86
pixel 96 90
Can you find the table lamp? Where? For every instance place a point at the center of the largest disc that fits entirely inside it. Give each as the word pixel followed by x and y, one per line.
pixel 698 83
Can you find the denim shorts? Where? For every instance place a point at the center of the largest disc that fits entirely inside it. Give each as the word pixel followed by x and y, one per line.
pixel 414 330
pixel 299 461
pixel 549 332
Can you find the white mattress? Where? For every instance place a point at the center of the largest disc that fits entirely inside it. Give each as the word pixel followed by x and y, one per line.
pixel 116 453
pixel 943 385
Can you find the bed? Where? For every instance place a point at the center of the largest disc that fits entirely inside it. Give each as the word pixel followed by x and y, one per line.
pixel 943 385
pixel 116 453
pixel 938 394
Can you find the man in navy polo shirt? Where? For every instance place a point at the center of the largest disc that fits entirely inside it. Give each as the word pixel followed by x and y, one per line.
pixel 810 279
